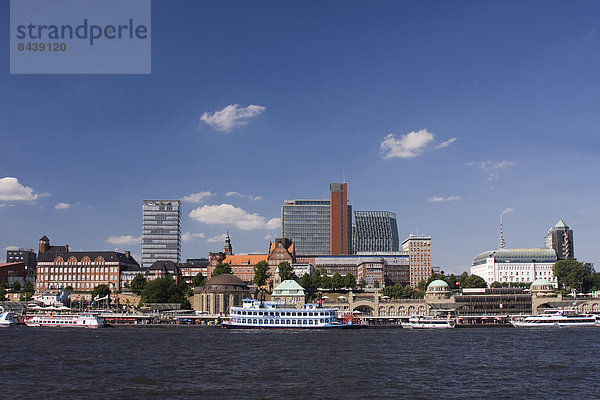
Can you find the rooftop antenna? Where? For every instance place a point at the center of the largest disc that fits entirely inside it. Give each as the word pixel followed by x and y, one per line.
pixel 502 243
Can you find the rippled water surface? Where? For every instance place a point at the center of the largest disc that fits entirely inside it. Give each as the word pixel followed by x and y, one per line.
pixel 194 362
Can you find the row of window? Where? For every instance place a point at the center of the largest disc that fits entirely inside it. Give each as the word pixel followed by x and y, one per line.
pixel 286 313
pixel 295 322
pixel 42 270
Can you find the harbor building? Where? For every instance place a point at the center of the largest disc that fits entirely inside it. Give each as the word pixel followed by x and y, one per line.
pixel 26 256
pixel 161 231
pixel 242 265
pixel 220 293
pixel 374 231
pixel 560 239
pixel 60 268
pixel 515 265
pixel 319 227
pixel 419 254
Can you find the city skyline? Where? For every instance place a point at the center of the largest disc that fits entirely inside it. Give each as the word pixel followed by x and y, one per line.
pixel 445 114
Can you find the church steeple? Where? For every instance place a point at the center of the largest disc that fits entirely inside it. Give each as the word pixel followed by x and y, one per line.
pixel 227 249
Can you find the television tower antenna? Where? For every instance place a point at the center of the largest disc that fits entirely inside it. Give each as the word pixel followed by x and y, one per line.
pixel 502 243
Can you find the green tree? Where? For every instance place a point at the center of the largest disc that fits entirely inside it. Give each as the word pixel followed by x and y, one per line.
pixel 451 280
pixel 474 281
pixel 306 282
pixel 100 291
pixel 138 283
pixel 198 280
pixel 222 269
pixel 16 287
pixel 349 281
pixel 422 286
pixel 286 271
pixel 261 273
pixel 28 287
pixel 337 282
pixel 69 288
pixel 315 280
pixel 163 290
pixel 2 291
pixel 462 279
pixel 326 282
pixel 376 284
pixel 362 283
pixel 570 273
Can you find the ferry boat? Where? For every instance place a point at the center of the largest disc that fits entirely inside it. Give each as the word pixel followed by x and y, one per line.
pixel 431 322
pixel 557 318
pixel 65 320
pixel 7 318
pixel 272 315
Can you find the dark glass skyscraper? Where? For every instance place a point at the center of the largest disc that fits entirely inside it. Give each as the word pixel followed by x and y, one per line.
pixel 375 231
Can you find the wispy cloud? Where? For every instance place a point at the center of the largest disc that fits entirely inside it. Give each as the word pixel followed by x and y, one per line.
pixel 216 239
pixel 12 190
pixel 507 211
pixel 411 144
pixel 492 167
pixel 231 116
pixel 227 214
pixel 197 197
pixel 188 237
pixel 62 206
pixel 245 196
pixel 122 240
pixel 440 199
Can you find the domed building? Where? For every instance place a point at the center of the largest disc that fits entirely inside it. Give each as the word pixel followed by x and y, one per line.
pixel 542 287
pixel 221 292
pixel 438 290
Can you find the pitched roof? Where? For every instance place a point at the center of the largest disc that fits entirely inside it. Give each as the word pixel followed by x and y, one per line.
pixel 561 224
pixel 244 259
pixel 288 288
pixel 64 253
pixel 168 267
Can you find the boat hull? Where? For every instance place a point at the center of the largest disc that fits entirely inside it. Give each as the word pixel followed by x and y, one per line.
pixel 310 327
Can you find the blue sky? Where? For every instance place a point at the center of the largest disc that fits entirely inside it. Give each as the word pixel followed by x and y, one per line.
pixel 446 113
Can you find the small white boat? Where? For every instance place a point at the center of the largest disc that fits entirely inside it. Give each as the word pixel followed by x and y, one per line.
pixel 7 318
pixel 556 318
pixel 431 322
pixel 65 320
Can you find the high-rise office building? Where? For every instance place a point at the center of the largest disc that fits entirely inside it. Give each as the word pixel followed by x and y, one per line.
pixel 419 258
pixel 560 239
pixel 161 231
pixel 340 219
pixel 374 231
pixel 319 227
pixel 26 256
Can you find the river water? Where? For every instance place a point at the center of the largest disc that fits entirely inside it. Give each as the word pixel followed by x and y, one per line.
pixel 189 362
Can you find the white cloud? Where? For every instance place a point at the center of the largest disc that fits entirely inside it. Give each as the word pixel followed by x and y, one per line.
pixel 11 248
pixel 439 199
pixel 229 215
pixel 126 239
pixel 197 197
pixel 411 144
pixel 492 168
pixel 231 116
pixel 218 238
pixel 489 165
pixel 268 237
pixel 245 196
pixel 445 144
pixel 188 237
pixel 62 206
pixel 507 210
pixel 12 190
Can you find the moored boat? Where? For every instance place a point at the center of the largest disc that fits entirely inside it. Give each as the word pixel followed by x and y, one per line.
pixel 65 320
pixel 273 315
pixel 7 318
pixel 429 322
pixel 556 318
